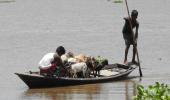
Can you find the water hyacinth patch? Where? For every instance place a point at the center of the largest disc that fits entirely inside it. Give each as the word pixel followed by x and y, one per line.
pixel 153 92
pixel 118 1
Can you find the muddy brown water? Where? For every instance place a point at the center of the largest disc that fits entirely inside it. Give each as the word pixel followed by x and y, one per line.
pixel 31 28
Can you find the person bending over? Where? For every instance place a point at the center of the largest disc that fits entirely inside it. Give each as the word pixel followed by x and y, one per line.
pixel 51 62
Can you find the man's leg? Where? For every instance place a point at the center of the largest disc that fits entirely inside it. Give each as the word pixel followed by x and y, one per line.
pixel 126 53
pixel 134 54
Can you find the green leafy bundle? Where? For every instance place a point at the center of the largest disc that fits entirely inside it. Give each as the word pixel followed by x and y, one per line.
pixel 153 92
pixel 101 60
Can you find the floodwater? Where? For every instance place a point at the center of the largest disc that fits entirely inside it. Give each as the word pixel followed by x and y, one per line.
pixel 31 28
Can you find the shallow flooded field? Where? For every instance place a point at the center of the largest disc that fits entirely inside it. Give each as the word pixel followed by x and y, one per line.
pixel 31 28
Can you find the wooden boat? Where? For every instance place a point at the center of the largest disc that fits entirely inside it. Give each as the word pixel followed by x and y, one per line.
pixel 108 73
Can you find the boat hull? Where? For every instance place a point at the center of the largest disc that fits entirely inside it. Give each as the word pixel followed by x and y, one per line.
pixel 38 81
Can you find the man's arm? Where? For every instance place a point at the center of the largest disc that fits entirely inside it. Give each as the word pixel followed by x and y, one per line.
pixel 136 33
pixel 57 60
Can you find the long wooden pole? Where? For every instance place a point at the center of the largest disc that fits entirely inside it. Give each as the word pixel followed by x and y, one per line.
pixel 140 71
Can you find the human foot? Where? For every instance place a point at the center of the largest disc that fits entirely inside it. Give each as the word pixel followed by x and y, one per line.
pixel 125 62
pixel 135 62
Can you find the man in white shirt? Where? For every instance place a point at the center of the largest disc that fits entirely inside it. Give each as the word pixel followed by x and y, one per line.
pixel 49 63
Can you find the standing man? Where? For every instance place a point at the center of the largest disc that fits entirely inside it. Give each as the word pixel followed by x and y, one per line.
pixel 128 35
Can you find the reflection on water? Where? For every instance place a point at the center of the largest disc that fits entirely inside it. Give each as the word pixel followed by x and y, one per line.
pixel 64 93
pixel 126 89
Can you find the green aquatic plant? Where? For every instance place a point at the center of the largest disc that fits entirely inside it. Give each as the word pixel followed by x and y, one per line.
pixel 7 1
pixel 153 92
pixel 118 1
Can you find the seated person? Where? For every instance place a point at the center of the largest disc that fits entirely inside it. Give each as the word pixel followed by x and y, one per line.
pixel 49 63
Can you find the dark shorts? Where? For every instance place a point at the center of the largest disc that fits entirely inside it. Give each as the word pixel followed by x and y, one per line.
pixel 128 39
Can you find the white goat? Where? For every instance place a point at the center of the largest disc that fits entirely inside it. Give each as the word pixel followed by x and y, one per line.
pixel 72 60
pixel 79 67
pixel 64 58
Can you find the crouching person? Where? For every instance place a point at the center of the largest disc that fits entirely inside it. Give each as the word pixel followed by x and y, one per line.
pixel 51 63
